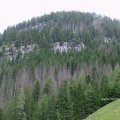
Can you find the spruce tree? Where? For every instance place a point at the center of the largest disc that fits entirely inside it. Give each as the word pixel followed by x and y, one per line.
pixel 29 103
pixel 48 87
pixel 21 115
pixel 63 103
pixel 36 91
pixel 1 114
pixel 78 101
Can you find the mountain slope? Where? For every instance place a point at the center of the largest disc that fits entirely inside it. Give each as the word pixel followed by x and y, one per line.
pixel 108 112
pixel 72 56
pixel 60 46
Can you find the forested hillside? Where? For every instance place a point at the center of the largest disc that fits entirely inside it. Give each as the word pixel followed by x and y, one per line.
pixel 59 66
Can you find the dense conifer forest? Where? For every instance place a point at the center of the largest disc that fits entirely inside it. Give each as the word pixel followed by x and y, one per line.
pixel 61 66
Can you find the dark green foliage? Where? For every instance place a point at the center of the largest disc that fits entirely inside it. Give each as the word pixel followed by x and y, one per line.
pixel 20 106
pixel 75 99
pixel 36 91
pixel 10 112
pixel 48 87
pixel 114 87
pixel 29 104
pixel 46 108
pixel 63 103
pixel 92 99
pixel 78 101
pixel 51 109
pixel 1 114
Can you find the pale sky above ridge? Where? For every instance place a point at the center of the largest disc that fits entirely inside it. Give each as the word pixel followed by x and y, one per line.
pixel 16 11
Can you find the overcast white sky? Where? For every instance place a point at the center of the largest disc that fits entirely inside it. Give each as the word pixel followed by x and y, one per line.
pixel 15 11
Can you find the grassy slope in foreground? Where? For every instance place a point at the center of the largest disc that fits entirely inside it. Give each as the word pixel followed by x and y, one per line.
pixel 108 112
